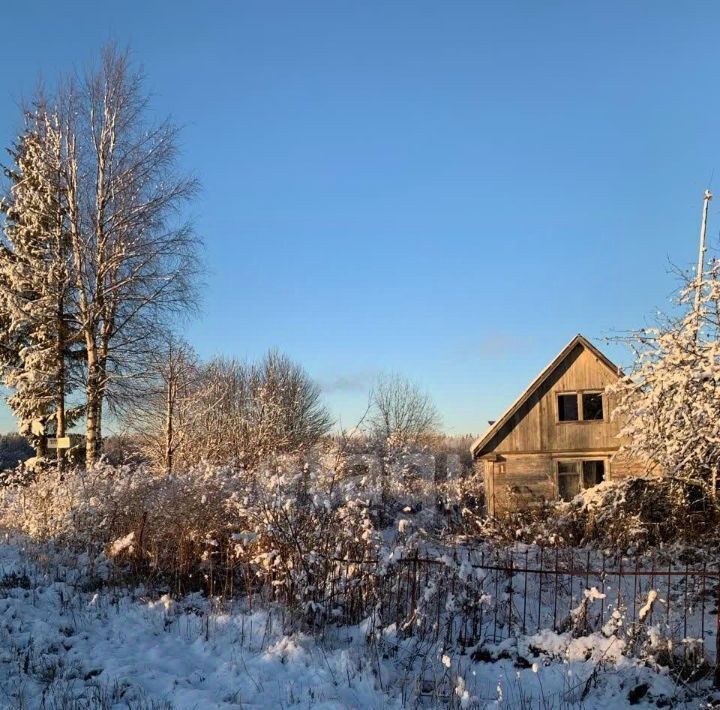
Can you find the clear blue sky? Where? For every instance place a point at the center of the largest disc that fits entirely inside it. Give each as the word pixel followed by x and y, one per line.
pixel 450 190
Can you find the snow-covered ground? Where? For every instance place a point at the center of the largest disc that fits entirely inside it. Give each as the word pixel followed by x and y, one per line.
pixel 63 645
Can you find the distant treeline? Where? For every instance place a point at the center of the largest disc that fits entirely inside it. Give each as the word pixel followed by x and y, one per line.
pixel 14 448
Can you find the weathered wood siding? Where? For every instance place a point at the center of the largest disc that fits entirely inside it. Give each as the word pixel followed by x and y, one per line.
pixel 535 428
pixel 518 481
pixel 527 480
pixel 624 465
pixel 523 453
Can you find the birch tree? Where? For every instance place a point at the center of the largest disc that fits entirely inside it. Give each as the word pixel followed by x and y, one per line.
pixel 134 257
pixel 168 413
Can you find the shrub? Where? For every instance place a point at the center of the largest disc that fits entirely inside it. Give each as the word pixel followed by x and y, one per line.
pixel 624 516
pixel 276 528
pixel 165 522
pixel 640 512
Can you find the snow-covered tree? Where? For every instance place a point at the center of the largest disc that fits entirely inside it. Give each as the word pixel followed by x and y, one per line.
pixel 670 401
pixel 168 411
pixel 284 412
pixel 36 318
pixel 134 256
pixel 245 413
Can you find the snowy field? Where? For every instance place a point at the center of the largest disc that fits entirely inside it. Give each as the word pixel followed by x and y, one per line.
pixel 63 645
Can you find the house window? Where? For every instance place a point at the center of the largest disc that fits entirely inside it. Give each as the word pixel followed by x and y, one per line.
pixel 576 476
pixel 568 407
pixel 593 473
pixel 568 479
pixel 580 406
pixel 592 405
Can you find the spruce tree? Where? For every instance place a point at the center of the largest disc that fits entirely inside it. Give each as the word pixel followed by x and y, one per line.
pixel 35 281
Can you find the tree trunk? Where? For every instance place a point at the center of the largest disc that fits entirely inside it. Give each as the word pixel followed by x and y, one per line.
pixel 98 425
pixel 91 428
pixel 92 394
pixel 169 427
pixel 60 420
pixel 41 446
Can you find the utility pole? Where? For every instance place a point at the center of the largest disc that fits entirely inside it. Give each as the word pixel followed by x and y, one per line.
pixel 698 299
pixel 701 261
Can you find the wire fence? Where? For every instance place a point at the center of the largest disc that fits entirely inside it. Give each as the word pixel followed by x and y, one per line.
pixel 477 598
pixel 474 598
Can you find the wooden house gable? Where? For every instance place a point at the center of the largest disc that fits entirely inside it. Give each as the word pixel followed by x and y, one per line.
pixel 533 424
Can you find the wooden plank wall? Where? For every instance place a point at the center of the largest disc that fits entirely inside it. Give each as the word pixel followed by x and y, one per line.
pixel 535 429
pixel 529 445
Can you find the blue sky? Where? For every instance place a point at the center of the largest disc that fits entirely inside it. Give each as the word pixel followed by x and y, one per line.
pixel 450 190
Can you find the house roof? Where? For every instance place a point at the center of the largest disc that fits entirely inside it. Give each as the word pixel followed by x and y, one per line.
pixel 579 339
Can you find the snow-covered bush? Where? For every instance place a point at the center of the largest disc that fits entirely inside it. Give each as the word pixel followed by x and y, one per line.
pixel 669 404
pixel 307 534
pixel 639 512
pixel 321 542
pixel 625 516
pixel 163 524
pixel 293 530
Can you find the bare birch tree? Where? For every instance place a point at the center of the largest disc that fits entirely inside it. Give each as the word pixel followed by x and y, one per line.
pixel 401 413
pixel 134 257
pixel 245 413
pixel 166 414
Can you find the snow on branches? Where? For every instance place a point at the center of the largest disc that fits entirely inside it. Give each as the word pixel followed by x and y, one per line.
pixel 670 402
pixel 35 297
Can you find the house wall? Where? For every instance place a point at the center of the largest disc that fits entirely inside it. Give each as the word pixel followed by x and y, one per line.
pixel 535 428
pixel 519 481
pixel 524 452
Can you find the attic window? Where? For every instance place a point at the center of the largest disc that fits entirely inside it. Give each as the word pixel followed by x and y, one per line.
pixel 592 405
pixel 568 407
pixel 580 407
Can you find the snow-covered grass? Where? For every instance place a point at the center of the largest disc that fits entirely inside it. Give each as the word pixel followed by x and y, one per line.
pixel 66 645
pixel 113 648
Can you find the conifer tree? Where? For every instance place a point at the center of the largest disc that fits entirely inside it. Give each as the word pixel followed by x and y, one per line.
pixel 35 281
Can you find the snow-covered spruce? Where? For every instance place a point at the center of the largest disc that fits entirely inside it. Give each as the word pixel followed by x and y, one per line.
pixel 36 311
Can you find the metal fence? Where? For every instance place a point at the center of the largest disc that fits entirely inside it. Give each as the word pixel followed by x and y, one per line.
pixel 468 598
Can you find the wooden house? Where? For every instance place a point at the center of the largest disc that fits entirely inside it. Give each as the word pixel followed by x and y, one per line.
pixel 558 438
